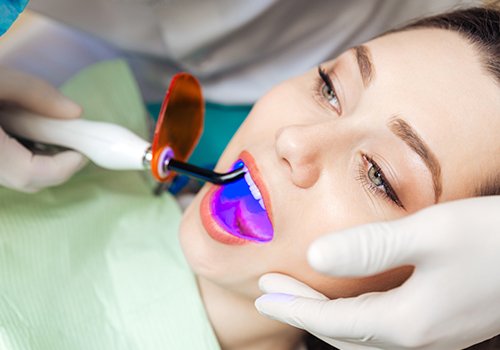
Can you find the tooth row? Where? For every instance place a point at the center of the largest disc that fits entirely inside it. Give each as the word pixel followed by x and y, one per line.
pixel 253 189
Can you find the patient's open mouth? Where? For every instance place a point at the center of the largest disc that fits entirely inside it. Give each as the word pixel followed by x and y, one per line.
pixel 239 208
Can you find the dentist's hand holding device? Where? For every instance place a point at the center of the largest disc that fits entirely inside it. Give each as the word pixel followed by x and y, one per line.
pixel 19 168
pixel 110 146
pixel 451 301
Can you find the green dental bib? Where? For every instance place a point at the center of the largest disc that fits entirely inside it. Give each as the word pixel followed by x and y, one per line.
pixel 95 263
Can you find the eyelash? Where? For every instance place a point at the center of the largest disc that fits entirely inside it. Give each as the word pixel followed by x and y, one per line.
pixel 386 192
pixel 324 81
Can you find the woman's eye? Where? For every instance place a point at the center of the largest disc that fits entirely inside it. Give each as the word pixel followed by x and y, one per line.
pixel 375 181
pixel 375 176
pixel 329 94
pixel 327 90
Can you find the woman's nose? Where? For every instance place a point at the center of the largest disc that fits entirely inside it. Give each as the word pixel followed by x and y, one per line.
pixel 299 149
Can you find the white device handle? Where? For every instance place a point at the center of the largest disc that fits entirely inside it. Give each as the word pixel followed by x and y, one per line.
pixel 108 145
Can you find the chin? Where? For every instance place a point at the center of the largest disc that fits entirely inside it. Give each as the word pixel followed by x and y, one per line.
pixel 214 261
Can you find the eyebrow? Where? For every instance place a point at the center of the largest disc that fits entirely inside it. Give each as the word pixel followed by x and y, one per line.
pixel 365 64
pixel 406 133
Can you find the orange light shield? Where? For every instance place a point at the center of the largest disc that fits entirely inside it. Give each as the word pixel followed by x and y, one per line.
pixel 179 124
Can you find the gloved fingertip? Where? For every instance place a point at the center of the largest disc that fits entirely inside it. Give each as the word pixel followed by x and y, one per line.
pixel 82 163
pixel 70 161
pixel 334 254
pixel 317 258
pixel 69 108
pixel 265 281
pixel 266 303
pixel 59 168
pixel 277 306
pixel 262 283
pixel 274 298
pixel 277 283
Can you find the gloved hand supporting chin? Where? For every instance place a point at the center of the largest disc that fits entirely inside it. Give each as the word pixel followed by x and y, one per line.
pixel 451 301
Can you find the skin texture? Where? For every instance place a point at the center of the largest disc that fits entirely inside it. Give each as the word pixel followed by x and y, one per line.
pixel 312 158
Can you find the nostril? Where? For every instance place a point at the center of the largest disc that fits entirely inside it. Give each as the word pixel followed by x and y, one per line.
pixel 286 163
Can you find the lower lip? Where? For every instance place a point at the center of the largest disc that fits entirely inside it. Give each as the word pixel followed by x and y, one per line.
pixel 212 227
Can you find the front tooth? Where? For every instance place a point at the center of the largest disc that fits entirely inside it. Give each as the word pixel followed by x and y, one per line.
pixel 261 202
pixel 249 179
pixel 256 194
pixel 255 191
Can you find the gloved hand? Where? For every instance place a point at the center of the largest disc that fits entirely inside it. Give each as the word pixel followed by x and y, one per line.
pixel 19 168
pixel 451 301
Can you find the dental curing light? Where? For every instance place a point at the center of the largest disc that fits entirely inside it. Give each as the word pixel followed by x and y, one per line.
pixel 111 146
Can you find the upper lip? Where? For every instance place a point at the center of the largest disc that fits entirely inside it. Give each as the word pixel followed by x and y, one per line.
pixel 254 171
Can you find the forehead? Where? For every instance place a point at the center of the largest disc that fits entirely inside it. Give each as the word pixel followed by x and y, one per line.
pixel 434 78
pixel 432 64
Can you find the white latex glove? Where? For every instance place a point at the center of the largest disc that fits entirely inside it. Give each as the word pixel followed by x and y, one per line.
pixel 19 168
pixel 451 301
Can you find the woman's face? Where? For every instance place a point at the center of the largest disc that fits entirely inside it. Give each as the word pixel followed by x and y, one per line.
pixel 405 121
